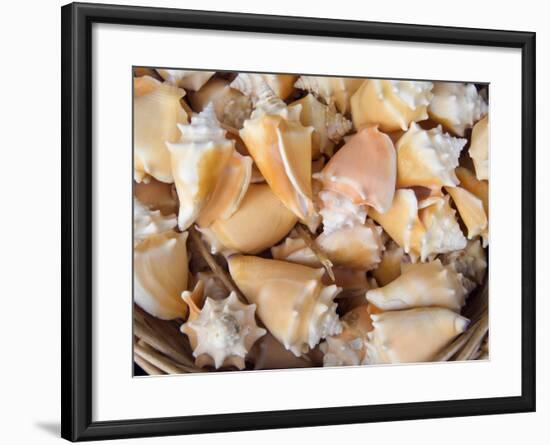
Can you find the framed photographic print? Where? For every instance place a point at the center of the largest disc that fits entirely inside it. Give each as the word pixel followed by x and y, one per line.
pixel 288 220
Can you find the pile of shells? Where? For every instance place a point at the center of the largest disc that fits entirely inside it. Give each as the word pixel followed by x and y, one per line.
pixel 285 221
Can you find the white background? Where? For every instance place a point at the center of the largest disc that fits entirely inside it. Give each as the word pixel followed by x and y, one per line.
pixel 30 283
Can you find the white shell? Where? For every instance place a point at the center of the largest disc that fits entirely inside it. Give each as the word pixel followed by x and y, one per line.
pixel 223 332
pixel 250 84
pixel 421 284
pixel 414 335
pixel 150 222
pixel 457 106
pixel 471 262
pixel 339 211
pixel 332 90
pixel 189 80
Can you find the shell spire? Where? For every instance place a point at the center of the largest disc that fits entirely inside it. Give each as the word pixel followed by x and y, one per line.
pixel 190 80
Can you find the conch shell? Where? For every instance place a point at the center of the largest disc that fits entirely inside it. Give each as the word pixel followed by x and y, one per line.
pixel 189 80
pixel 260 222
pixel 330 126
pixel 251 84
pixel 479 148
pixel 292 301
pixel 349 347
pixel 471 262
pixel 335 91
pixel 232 108
pixel 390 265
pixel 421 284
pixel 150 222
pixel 198 160
pixel 157 195
pixel 281 148
pixel 157 113
pixel 390 104
pixel 471 210
pixel 479 188
pixel 457 106
pixel 427 158
pixel 221 332
pixel 363 171
pixel 414 335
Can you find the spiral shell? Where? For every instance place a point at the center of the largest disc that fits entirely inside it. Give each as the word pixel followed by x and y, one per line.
pixel 189 80
pixel 150 222
pixel 292 302
pixel 390 104
pixel 471 262
pixel 479 148
pixel 251 84
pixel 335 91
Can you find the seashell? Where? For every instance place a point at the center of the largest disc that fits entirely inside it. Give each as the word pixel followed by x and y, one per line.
pixel 232 107
pixel 479 188
pixel 335 91
pixel 281 148
pixel 222 332
pixel 292 302
pixel 189 80
pixel 402 223
pixel 422 284
pixel 471 262
pixel 414 335
pixel 390 265
pixel 230 190
pixel 157 114
pixel 443 233
pixel 457 106
pixel 349 347
pixel 295 250
pixel 427 158
pixel 198 160
pixel 150 222
pixel 329 126
pixel 390 104
pixel 471 211
pixel 268 353
pixel 338 211
pixel 161 273
pixel 251 84
pixel 260 222
pixel 363 171
pixel 157 195
pixel 479 148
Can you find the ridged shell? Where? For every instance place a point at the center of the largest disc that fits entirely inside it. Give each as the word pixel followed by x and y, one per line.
pixel 390 104
pixel 479 148
pixel 414 335
pixel 223 332
pixel 268 353
pixel 150 222
pixel 390 265
pixel 471 211
pixel 427 158
pixel 198 160
pixel 330 126
pixel 339 211
pixel 471 262
pixel 157 114
pixel 292 302
pixel 349 347
pixel 422 284
pixel 473 185
pixel 332 90
pixel 189 80
pixel 363 171
pixel 160 274
pixel 260 222
pixel 232 107
pixel 157 195
pixel 457 106
pixel 281 148
pixel 251 84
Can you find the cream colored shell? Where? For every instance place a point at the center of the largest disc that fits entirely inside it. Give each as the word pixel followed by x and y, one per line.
pixel 472 213
pixel 390 265
pixel 471 262
pixel 189 80
pixel 335 91
pixel 479 148
pixel 292 302
pixel 150 222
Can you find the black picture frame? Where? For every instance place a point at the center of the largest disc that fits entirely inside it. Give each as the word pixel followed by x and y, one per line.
pixel 76 247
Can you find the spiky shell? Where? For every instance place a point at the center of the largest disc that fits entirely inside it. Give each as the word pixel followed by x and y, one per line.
pixel 339 211
pixel 157 114
pixel 349 347
pixel 471 211
pixel 471 262
pixel 390 104
pixel 281 148
pixel 251 84
pixel 223 332
pixel 457 106
pixel 414 335
pixel 427 158
pixel 292 302
pixel 390 265
pixel 260 222
pixel 329 126
pixel 198 159
pixel 150 222
pixel 363 170
pixel 232 107
pixel 421 284
pixel 161 273
pixel 335 91
pixel 189 80
pixel 157 195
pixel 479 148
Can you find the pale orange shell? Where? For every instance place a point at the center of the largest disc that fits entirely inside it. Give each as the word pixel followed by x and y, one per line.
pixel 479 148
pixel 471 210
pixel 335 91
